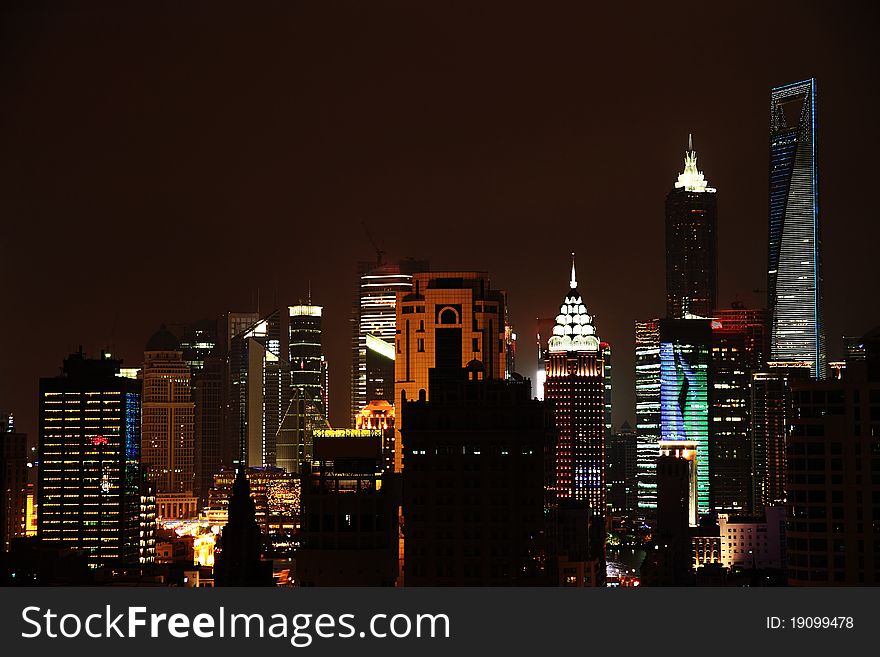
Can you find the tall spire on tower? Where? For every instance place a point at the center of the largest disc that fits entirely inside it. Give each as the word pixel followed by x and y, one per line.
pixel 692 180
pixel 573 282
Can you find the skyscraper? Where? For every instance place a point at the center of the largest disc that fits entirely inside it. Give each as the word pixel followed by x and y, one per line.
pixel 621 472
pixel 575 386
pixel 307 364
pixel 448 320
pixel 260 386
pixel 167 418
pixel 684 392
pixel 90 480
pixel 794 274
pixel 13 482
pixel 648 413
pixel 373 328
pixel 691 243
pixel 739 347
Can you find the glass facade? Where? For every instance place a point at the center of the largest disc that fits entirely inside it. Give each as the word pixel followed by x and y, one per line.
pixel 684 392
pixel 794 275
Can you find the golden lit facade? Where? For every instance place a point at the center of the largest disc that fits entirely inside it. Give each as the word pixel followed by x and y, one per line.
pixel 448 320
pixel 167 443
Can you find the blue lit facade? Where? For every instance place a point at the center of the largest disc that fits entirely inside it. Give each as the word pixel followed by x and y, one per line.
pixel 794 274
pixel 684 392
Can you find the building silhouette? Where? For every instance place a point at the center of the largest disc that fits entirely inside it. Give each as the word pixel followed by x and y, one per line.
pixel 238 560
pixel 350 499
pixel 794 275
pixel 13 482
pixel 833 476
pixel 621 472
pixel 691 243
pixel 478 469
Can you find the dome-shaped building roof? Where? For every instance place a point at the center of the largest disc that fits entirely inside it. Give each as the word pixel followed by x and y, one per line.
pixel 163 340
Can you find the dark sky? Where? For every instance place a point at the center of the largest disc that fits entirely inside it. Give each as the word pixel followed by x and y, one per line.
pixel 161 164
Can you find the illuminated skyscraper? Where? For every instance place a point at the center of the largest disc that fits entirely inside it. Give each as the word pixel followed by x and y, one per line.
pixel 648 413
pixel 448 320
pixel 691 243
pixel 167 416
pixel 260 386
pixel 684 392
pixel 794 275
pixel 740 346
pixel 575 386
pixel 373 328
pixel 90 480
pixel 307 363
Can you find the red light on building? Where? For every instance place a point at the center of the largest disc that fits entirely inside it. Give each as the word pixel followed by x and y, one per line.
pixel 98 440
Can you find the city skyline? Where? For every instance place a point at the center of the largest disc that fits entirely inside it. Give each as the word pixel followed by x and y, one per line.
pixel 564 171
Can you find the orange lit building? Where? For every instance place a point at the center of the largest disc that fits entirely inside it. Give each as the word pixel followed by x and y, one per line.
pixel 446 321
pixel 167 424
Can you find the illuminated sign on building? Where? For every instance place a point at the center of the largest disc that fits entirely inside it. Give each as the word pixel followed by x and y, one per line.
pixel 684 399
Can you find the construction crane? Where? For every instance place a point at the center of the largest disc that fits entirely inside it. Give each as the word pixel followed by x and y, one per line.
pixel 379 252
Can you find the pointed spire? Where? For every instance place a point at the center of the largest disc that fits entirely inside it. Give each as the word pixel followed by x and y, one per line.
pixel 692 179
pixel 573 282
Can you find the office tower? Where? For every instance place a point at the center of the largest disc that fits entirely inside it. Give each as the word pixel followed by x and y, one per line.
pixel 606 371
pixel 350 498
pixel 691 244
pixel 90 474
pixel 373 328
pixel 13 482
pixel 167 418
pixel 477 466
pixel 307 365
pixel 238 558
pixel 833 476
pixel 794 275
pixel 771 415
pixel 648 412
pixel 448 320
pixel 739 347
pixel 575 387
pixel 621 471
pixel 260 386
pixel 214 446
pixel 684 392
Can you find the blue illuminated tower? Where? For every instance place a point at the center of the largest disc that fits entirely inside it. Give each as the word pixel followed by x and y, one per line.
pixel 794 273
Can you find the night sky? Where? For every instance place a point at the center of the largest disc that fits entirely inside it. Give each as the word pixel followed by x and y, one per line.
pixel 160 164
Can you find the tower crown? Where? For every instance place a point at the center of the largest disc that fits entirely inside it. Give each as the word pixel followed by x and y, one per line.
pixel 691 179
pixel 574 330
